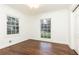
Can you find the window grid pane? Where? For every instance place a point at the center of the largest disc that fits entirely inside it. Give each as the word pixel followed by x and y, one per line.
pixel 46 29
pixel 12 25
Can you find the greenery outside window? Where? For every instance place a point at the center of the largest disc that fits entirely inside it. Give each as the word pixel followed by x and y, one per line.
pixel 46 28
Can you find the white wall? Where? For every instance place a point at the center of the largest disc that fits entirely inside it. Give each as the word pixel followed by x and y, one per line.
pixel 76 30
pixel 60 26
pixel 23 24
pixel 72 30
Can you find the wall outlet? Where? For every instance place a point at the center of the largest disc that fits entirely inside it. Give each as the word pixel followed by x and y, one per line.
pixel 10 41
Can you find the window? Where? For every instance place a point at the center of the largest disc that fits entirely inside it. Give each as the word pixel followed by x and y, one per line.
pixel 12 25
pixel 46 28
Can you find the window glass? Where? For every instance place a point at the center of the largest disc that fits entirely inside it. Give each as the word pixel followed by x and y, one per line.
pixel 12 25
pixel 46 28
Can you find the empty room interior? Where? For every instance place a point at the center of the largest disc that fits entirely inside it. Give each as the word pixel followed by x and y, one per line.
pixel 39 29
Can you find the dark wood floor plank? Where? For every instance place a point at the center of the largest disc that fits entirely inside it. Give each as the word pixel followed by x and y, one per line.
pixel 35 47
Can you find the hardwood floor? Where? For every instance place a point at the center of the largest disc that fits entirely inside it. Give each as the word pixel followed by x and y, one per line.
pixel 35 47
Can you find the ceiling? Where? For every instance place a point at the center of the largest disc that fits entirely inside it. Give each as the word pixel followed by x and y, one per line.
pixel 42 8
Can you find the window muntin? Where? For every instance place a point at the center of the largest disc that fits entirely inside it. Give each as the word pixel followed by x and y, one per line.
pixel 12 25
pixel 46 28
